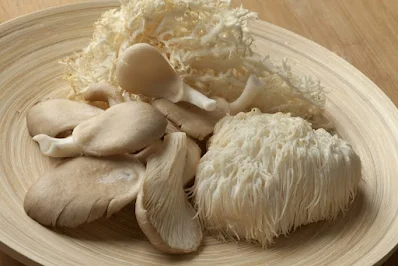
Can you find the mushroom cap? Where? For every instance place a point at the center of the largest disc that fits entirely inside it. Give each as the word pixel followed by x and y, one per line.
pixel 103 92
pixel 83 189
pixel 192 120
pixel 123 128
pixel 162 208
pixel 141 69
pixel 54 116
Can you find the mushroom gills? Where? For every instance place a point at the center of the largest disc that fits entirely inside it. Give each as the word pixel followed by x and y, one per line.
pixel 162 208
pixel 192 158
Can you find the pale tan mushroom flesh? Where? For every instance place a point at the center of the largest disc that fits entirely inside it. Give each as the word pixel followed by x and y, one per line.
pixel 83 189
pixel 123 128
pixel 103 92
pixel 196 123
pixel 162 208
pixel 192 157
pixel 55 116
pixel 199 123
pixel 143 70
pixel 144 154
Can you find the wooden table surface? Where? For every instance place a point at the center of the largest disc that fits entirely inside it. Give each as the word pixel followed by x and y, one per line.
pixel 363 32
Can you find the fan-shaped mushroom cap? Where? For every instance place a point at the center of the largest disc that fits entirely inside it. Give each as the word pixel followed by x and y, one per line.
pixel 54 116
pixel 84 189
pixel 123 128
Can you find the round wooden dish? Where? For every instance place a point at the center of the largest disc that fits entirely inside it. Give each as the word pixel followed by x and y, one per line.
pixel 30 48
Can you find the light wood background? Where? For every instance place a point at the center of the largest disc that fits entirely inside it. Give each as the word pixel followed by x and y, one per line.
pixel 363 32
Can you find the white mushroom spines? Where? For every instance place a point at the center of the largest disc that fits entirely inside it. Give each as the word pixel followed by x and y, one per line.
pixel 264 175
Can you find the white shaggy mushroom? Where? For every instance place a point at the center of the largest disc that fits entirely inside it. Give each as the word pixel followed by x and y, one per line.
pixel 267 174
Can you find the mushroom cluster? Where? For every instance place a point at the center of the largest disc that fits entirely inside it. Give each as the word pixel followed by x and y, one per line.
pixel 148 151
pixel 128 151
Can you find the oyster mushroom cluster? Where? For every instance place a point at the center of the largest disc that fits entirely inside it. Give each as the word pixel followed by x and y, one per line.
pixel 128 151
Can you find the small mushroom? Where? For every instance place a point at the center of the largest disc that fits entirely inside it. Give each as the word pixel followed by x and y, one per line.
pixel 83 189
pixel 103 92
pixel 55 116
pixel 142 70
pixel 123 128
pixel 198 123
pixel 162 208
pixel 192 157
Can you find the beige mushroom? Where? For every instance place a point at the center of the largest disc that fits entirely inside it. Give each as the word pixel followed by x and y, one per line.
pixel 142 70
pixel 103 92
pixel 198 123
pixel 144 154
pixel 55 116
pixel 123 128
pixel 162 208
pixel 83 189
pixel 192 157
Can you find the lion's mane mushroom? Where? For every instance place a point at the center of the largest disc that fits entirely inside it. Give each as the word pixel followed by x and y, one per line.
pixel 55 116
pixel 267 174
pixel 83 189
pixel 162 208
pixel 123 128
pixel 198 123
pixel 142 70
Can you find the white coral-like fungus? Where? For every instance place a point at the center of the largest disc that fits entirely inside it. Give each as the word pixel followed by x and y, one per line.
pixel 207 42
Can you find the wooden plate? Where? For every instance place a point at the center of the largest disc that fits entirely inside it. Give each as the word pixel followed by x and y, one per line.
pixel 30 48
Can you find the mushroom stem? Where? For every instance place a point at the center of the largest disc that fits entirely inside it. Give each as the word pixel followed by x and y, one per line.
pixel 54 147
pixel 196 98
pixel 252 88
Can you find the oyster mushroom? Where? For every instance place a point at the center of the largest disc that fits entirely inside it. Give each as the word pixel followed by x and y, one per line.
pixel 83 189
pixel 192 157
pixel 123 128
pixel 103 92
pixel 55 116
pixel 142 70
pixel 162 208
pixel 198 123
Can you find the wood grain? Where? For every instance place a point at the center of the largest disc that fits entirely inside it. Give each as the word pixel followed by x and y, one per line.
pixel 362 32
